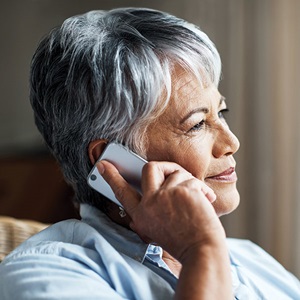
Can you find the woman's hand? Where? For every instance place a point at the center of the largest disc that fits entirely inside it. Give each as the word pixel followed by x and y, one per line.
pixel 174 211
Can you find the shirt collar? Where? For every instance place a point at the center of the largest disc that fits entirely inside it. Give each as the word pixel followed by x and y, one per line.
pixel 121 238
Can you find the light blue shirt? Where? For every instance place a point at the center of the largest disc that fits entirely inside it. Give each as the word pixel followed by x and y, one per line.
pixel 98 259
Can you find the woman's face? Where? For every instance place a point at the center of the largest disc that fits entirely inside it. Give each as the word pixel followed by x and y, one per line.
pixel 192 132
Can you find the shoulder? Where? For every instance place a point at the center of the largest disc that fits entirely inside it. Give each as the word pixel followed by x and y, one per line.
pixel 72 260
pixel 60 262
pixel 68 239
pixel 52 261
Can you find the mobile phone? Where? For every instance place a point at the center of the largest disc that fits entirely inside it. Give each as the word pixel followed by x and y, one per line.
pixel 129 165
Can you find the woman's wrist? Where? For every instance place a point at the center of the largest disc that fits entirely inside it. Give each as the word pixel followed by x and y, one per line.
pixel 213 245
pixel 208 263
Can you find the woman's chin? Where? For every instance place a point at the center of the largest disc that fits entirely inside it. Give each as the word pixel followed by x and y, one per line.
pixel 226 203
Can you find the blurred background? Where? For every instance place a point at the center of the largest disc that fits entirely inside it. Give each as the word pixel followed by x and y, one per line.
pixel 259 44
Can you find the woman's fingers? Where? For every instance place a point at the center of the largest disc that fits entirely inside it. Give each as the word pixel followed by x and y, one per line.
pixel 165 175
pixel 123 191
pixel 156 173
pixel 193 184
pixel 209 193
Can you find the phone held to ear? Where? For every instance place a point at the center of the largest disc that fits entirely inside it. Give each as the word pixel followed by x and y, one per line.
pixel 129 165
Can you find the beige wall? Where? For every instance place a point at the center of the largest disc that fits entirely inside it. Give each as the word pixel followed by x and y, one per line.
pixel 259 44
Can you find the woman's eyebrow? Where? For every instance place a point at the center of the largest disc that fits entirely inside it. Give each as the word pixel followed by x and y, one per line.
pixel 200 110
pixel 194 111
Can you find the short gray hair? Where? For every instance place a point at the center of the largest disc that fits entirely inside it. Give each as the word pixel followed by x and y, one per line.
pixel 101 75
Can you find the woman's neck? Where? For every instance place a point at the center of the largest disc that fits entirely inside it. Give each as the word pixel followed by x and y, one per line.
pixel 172 263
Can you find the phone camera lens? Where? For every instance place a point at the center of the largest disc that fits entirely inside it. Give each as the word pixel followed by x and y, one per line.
pixel 93 177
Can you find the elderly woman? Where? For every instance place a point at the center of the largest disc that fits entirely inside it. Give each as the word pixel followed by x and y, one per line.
pixel 149 81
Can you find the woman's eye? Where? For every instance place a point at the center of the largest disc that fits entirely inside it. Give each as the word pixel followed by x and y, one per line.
pixel 198 126
pixel 201 124
pixel 222 113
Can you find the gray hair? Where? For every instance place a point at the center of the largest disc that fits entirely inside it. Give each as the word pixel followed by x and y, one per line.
pixel 101 75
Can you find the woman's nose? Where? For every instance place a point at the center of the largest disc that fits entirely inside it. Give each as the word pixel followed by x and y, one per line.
pixel 226 143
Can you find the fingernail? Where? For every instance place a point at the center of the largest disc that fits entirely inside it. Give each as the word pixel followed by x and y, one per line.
pixel 211 197
pixel 100 167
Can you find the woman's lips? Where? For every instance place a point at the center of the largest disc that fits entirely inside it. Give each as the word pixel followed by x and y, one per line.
pixel 228 175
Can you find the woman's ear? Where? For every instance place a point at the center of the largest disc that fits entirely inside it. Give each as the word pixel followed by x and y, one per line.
pixel 95 149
